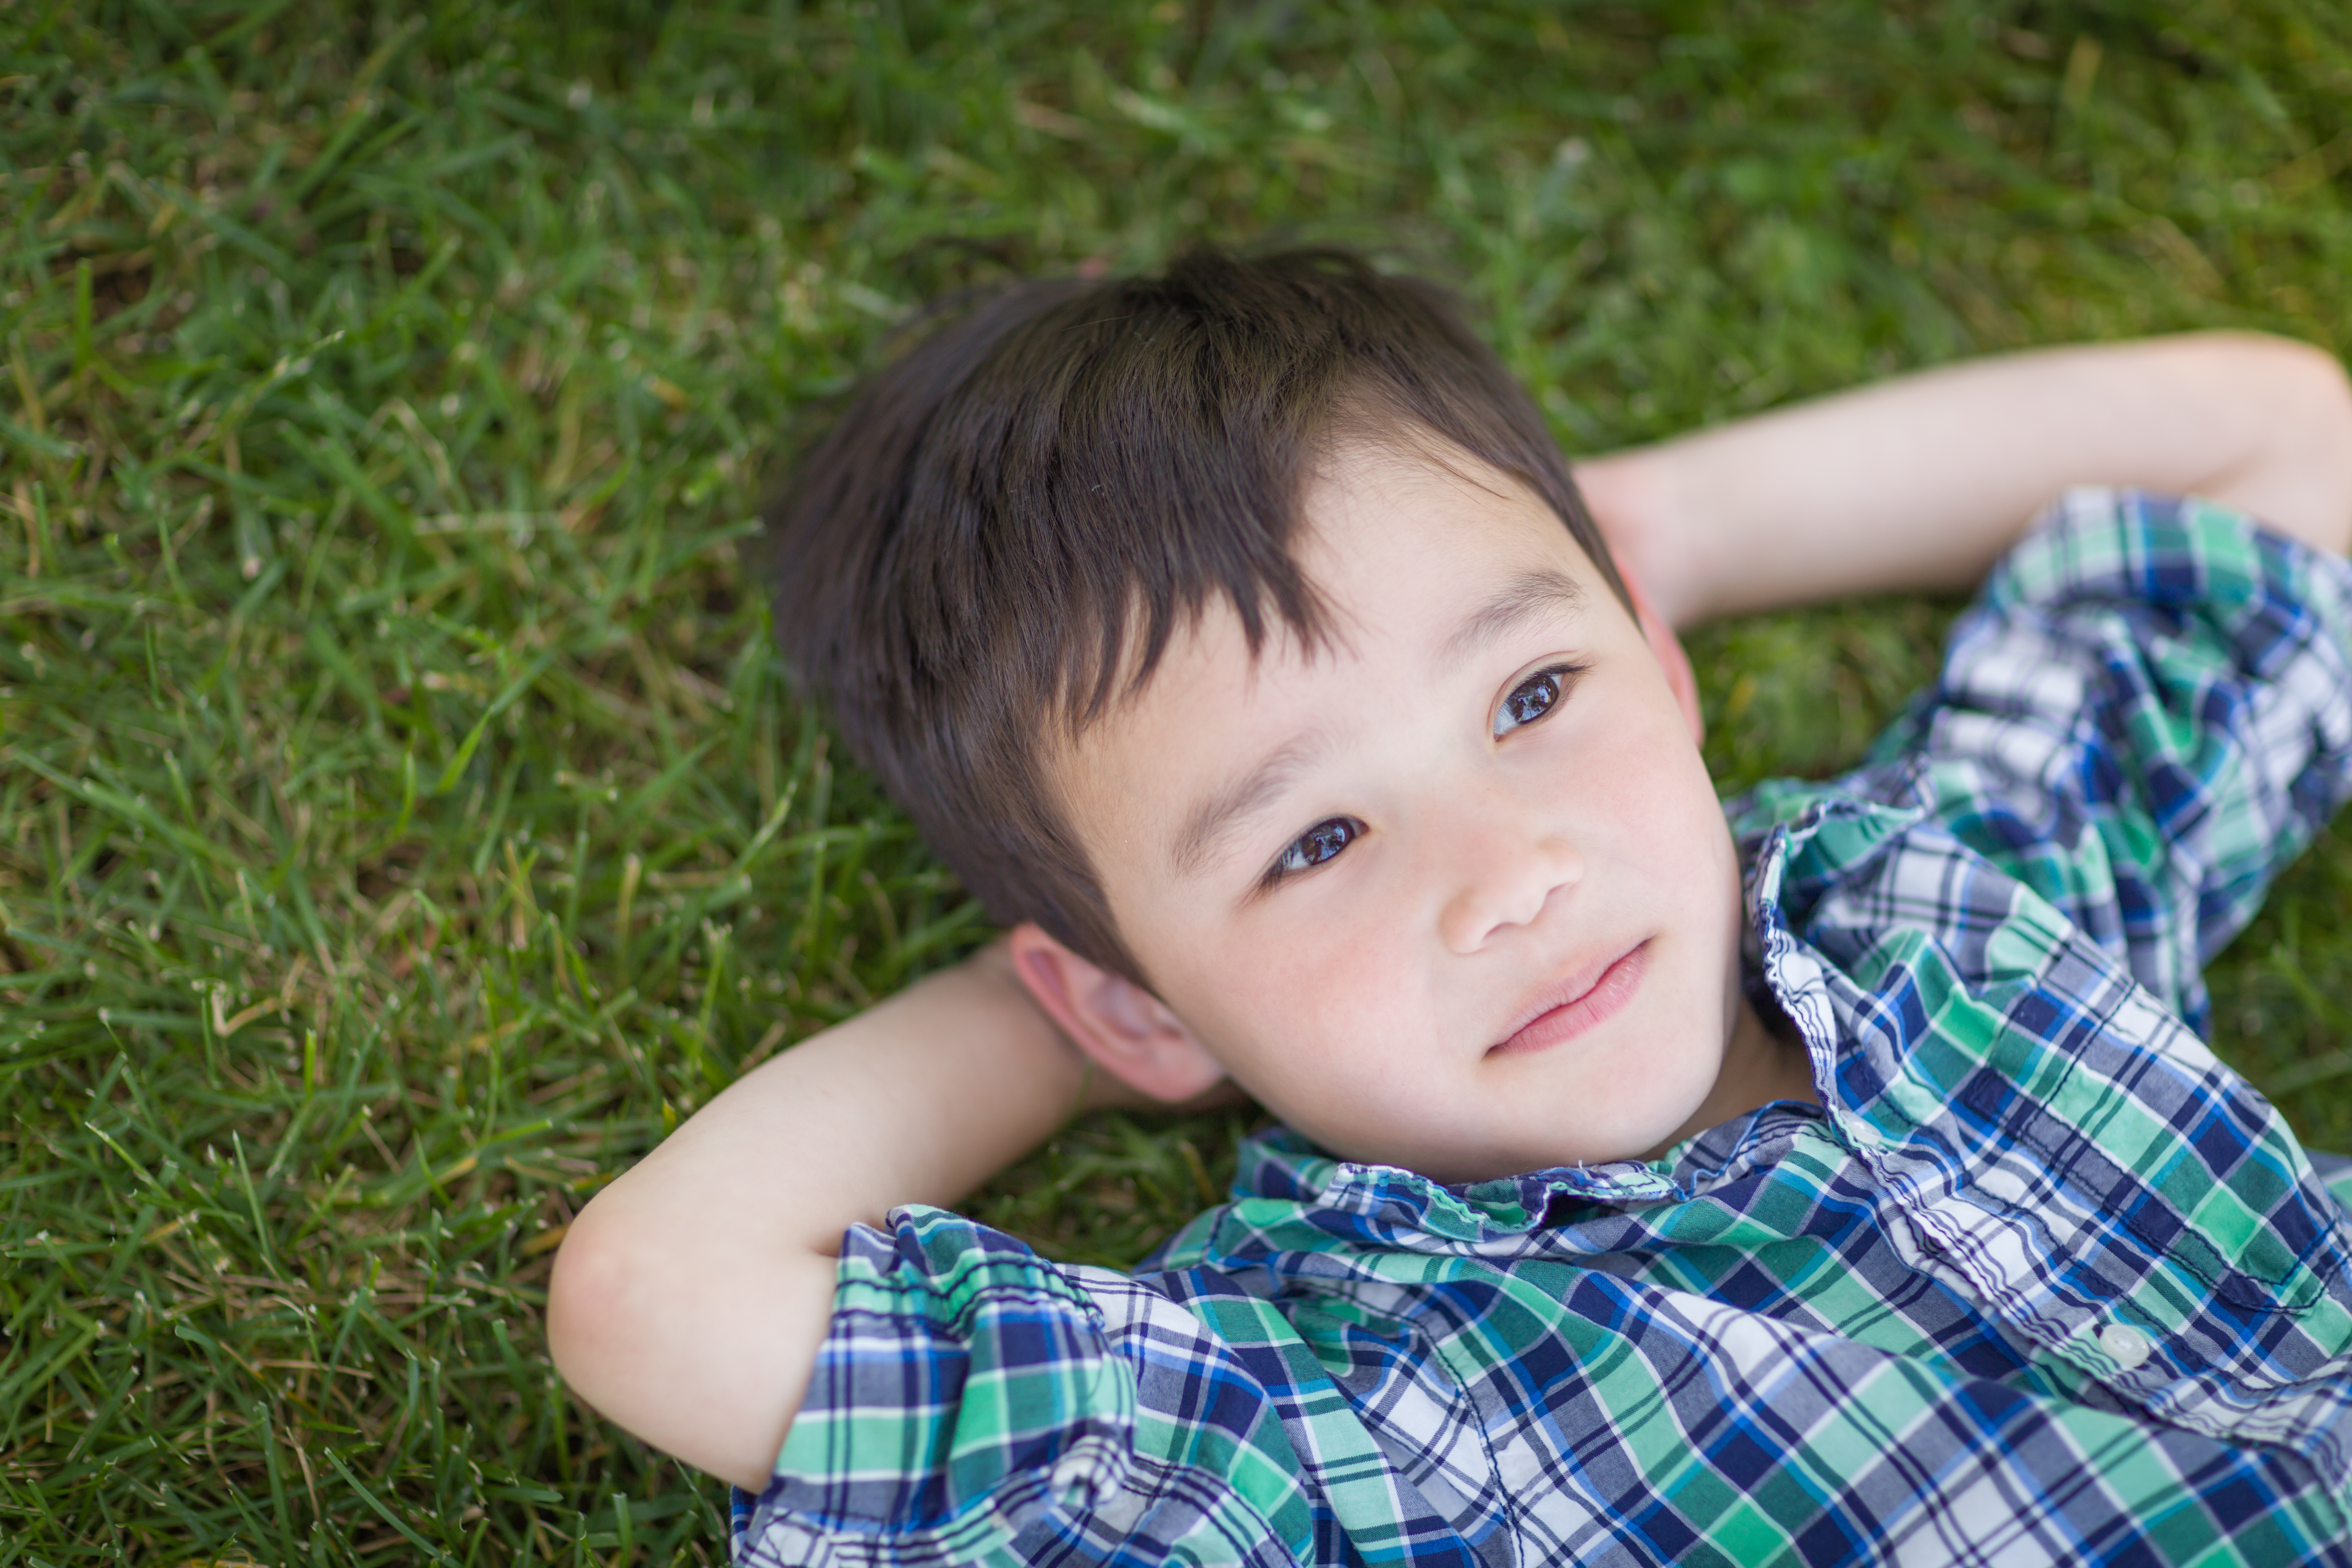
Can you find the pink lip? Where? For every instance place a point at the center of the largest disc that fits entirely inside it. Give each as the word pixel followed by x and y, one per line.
pixel 1581 1004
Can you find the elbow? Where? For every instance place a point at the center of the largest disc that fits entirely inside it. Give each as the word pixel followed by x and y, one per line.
pixel 2321 438
pixel 577 1295
pixel 672 1329
pixel 596 1302
pixel 2314 390
pixel 2298 477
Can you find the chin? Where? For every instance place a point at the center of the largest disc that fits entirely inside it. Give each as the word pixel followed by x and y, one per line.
pixel 1645 1135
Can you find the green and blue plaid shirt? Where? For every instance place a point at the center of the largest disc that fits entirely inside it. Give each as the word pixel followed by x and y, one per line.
pixel 2040 1281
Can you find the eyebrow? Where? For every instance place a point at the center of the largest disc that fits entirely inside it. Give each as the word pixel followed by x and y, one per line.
pixel 1214 820
pixel 1526 597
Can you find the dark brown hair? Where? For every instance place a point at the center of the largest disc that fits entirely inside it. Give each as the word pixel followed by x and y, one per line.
pixel 1006 526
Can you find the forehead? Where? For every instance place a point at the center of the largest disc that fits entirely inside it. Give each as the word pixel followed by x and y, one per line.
pixel 1391 534
pixel 1397 535
pixel 1381 488
pixel 1416 555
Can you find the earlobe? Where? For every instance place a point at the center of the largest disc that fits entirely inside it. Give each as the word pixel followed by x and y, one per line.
pixel 1123 1028
pixel 1668 648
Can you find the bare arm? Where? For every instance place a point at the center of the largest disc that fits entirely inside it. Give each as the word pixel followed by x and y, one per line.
pixel 692 1295
pixel 1922 481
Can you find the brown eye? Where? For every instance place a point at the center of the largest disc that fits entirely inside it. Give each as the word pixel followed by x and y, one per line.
pixel 1536 696
pixel 1317 844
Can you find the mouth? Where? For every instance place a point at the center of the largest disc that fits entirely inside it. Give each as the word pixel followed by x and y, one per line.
pixel 1582 1002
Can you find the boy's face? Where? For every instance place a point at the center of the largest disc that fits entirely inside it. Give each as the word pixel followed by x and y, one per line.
pixel 1454 892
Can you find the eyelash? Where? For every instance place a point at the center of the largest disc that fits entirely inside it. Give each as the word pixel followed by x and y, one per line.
pixel 1333 835
pixel 1324 841
pixel 1561 679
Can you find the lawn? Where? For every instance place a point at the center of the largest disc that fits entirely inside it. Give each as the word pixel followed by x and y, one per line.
pixel 404 821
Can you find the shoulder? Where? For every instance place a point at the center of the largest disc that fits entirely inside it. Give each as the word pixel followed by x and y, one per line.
pixel 2097 546
pixel 2146 713
pixel 2125 629
pixel 970 1389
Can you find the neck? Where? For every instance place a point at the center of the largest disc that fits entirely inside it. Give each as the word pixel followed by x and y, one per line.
pixel 1758 1068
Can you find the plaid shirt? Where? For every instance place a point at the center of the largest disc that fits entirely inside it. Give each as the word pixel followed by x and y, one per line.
pixel 2042 1281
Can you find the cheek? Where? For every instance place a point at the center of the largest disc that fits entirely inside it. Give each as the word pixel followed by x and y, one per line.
pixel 1694 854
pixel 1290 1006
pixel 1648 805
pixel 1634 776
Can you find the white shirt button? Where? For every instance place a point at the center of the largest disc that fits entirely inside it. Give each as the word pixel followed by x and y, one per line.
pixel 2126 1344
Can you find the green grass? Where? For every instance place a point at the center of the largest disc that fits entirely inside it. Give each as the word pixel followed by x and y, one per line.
pixel 402 821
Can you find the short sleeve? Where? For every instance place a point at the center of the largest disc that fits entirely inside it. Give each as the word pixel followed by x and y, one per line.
pixel 2146 715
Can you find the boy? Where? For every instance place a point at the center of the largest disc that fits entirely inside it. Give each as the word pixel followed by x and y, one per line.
pixel 1241 640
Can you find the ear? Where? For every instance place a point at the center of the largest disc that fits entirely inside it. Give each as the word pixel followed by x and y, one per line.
pixel 1122 1029
pixel 1668 648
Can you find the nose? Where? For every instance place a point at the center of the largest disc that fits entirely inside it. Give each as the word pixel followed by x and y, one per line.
pixel 1504 867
